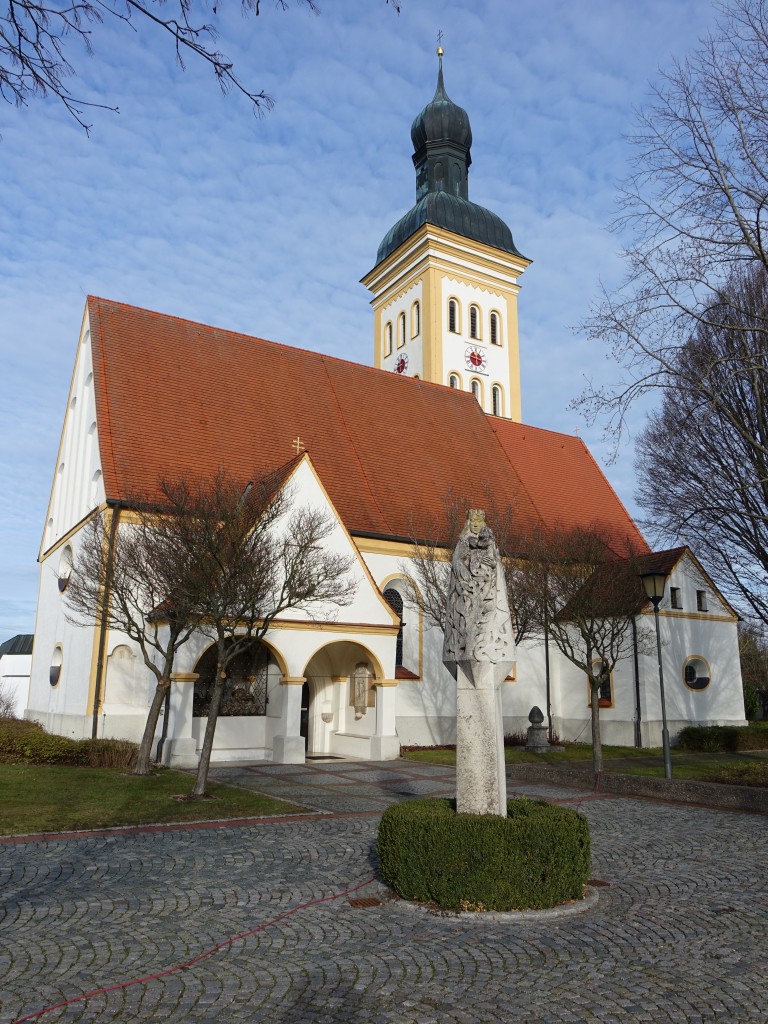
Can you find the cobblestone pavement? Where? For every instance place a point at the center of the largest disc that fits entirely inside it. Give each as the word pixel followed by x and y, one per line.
pixel 679 933
pixel 339 785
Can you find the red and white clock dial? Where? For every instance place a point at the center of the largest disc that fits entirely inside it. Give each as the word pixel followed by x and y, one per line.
pixel 401 364
pixel 475 358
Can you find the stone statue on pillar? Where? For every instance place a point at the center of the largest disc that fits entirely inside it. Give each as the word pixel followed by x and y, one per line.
pixel 479 650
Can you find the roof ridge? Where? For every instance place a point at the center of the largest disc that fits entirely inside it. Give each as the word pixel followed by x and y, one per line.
pixel 241 334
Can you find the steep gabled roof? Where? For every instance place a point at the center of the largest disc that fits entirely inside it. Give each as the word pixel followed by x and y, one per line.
pixel 177 397
pixel 565 484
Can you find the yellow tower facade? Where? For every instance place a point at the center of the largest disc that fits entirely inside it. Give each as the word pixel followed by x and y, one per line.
pixel 446 278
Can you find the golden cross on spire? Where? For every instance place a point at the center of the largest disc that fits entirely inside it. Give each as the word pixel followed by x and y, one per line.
pixel 298 444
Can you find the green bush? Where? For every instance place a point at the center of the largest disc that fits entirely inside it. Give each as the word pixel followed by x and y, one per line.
pixel 751 773
pixel 751 702
pixel 28 743
pixel 713 739
pixel 536 857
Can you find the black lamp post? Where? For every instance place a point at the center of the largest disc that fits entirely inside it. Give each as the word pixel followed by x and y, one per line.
pixel 654 588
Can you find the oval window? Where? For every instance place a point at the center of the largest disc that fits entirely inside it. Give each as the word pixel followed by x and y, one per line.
pixel 56 660
pixel 65 568
pixel 696 673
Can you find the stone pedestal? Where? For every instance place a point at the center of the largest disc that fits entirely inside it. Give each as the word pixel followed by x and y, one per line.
pixel 481 785
pixel 537 741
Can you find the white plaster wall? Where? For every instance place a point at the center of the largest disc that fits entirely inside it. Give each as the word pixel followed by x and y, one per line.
pixel 78 484
pixel 455 345
pixel 413 347
pixel 426 709
pixel 70 696
pixel 15 671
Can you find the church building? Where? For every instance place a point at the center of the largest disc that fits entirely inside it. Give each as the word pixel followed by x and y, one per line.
pixel 446 374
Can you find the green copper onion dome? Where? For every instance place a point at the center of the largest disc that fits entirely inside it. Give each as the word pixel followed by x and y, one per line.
pixel 442 120
pixel 442 137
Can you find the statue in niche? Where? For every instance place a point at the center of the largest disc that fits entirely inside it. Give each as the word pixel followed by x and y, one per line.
pixel 361 683
pixel 478 627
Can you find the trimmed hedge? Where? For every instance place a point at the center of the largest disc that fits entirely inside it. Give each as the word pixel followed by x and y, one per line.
pixel 713 739
pixel 536 857
pixel 24 742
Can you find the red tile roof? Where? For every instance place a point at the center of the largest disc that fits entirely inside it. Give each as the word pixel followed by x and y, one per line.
pixel 565 484
pixel 176 397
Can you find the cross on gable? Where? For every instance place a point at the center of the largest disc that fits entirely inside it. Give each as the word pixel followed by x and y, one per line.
pixel 298 444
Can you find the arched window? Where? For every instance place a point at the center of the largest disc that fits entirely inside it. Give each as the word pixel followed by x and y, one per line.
pixel 497 402
pixel 395 601
pixel 474 322
pixel 495 329
pixel 453 316
pixel 251 674
pixel 477 390
pixel 388 339
pixel 415 320
pixel 453 381
pixel 401 330
pixel 56 661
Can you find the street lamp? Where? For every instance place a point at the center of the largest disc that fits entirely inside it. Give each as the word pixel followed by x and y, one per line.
pixel 654 588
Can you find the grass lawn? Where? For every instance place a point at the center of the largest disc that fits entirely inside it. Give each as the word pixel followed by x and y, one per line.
pixel 742 768
pixel 573 752
pixel 60 798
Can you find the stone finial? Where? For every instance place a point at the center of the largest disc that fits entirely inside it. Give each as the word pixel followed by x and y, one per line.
pixel 536 716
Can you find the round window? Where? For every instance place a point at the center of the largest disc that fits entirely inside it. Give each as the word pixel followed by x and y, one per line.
pixel 696 673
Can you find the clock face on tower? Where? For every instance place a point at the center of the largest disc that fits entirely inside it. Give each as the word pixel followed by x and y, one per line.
pixel 402 363
pixel 475 358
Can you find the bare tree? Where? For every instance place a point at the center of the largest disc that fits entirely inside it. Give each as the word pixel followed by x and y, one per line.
pixel 428 571
pixel 695 208
pixel 36 43
pixel 702 464
pixel 133 578
pixel 753 655
pixel 255 558
pixel 585 599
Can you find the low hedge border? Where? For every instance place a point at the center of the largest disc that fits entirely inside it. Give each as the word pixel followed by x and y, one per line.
pixel 714 739
pixel 536 858
pixel 23 742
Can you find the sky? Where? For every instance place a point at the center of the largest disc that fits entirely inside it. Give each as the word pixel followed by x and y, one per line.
pixel 185 203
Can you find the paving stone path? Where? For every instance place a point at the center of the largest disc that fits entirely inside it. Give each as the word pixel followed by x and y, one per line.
pixel 680 933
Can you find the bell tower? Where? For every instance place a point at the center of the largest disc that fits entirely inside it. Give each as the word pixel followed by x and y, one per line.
pixel 445 282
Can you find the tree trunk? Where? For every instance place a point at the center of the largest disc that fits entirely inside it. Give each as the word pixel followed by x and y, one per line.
pixel 145 750
pixel 597 747
pixel 201 781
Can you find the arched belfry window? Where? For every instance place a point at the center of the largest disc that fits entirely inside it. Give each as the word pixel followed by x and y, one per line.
pixel 388 339
pixel 495 329
pixel 454 382
pixel 401 330
pixel 415 320
pixel 395 601
pixel 453 316
pixel 474 322
pixel 476 390
pixel 497 401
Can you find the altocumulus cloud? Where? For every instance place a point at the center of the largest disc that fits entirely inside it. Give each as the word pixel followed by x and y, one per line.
pixel 186 203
